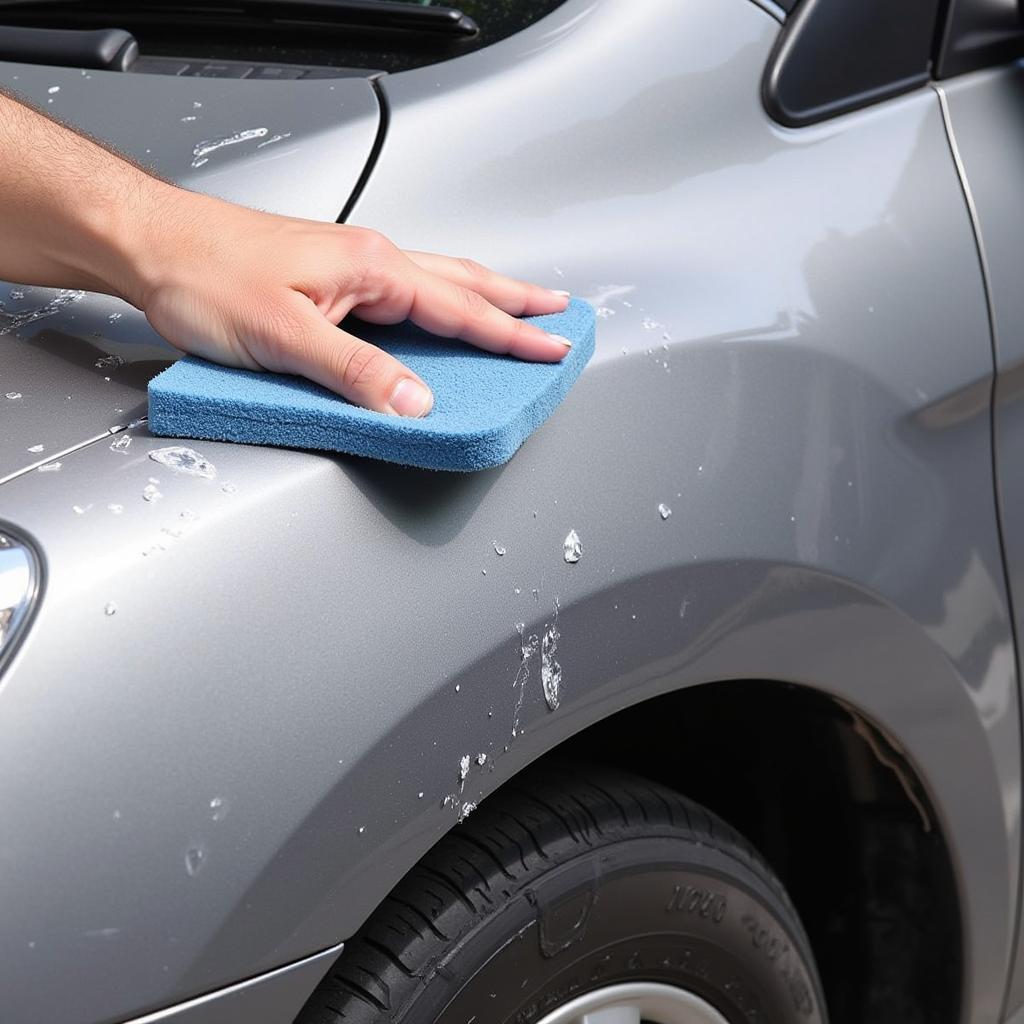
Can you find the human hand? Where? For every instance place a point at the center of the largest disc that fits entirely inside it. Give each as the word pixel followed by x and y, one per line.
pixel 261 291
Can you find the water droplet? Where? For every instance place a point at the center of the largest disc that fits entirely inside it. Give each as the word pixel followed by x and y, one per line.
pixel 517 591
pixel 458 686
pixel 188 515
pixel 792 519
pixel 36 449
pixel 121 444
pixel 664 511
pixel 466 810
pixel 650 324
pixel 605 311
pixel 273 139
pixel 700 469
pixel 17 294
pixel 196 105
pixel 114 316
pixel 109 362
pixel 195 858
pixel 11 322
pixel 218 808
pixel 464 767
pixel 550 670
pixel 117 815
pixel 53 89
pixel 419 795
pixel 110 608
pixel 201 151
pixel 628 305
pixel 484 572
pixel 498 549
pixel 13 395
pixel 116 509
pixel 229 488
pixel 190 117
pixel 559 271
pixel 481 759
pixel 184 460
pixel 151 493
pixel 362 829
pixel 572 548
pixel 80 510
pixel 50 467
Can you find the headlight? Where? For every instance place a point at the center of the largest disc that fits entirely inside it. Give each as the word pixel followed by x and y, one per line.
pixel 19 584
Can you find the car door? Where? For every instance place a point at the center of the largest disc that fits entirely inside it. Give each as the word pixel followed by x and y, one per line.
pixel 981 89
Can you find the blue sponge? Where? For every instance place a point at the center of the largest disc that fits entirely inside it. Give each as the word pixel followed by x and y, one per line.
pixel 485 405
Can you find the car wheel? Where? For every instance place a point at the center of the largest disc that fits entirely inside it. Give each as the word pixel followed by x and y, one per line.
pixel 580 898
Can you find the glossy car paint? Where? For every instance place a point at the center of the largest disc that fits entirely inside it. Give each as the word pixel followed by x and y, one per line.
pixel 984 108
pixel 228 773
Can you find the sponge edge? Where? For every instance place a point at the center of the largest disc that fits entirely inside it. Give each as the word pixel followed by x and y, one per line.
pixel 485 405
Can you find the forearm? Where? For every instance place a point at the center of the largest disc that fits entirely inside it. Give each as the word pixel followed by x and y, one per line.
pixel 71 211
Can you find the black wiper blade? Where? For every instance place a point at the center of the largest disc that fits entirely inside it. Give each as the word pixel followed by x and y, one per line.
pixel 386 15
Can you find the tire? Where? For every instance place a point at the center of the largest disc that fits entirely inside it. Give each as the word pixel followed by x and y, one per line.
pixel 555 892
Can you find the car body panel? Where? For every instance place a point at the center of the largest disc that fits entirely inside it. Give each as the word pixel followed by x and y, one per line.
pixel 317 138
pixel 984 109
pixel 793 355
pixel 273 998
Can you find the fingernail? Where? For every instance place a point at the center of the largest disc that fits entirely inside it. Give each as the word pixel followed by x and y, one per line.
pixel 559 293
pixel 557 337
pixel 411 398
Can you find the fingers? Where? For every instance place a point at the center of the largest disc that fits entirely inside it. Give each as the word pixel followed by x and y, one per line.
pixel 519 298
pixel 444 308
pixel 360 372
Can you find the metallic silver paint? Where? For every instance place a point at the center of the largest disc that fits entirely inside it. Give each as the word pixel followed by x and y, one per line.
pixel 321 644
pixel 984 111
pixel 272 998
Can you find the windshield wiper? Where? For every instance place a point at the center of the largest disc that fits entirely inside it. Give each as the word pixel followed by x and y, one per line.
pixel 380 15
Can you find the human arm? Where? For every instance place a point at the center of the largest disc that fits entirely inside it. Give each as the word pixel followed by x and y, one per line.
pixel 239 286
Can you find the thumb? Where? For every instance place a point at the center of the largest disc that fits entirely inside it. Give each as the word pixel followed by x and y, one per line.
pixel 355 369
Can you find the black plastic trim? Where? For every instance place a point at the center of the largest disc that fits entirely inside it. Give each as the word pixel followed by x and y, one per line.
pixel 978 34
pixel 834 56
pixel 378 15
pixel 112 49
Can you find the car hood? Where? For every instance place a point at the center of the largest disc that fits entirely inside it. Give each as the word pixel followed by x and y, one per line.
pixel 74 366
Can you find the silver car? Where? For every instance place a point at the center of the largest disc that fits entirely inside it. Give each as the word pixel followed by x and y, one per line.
pixel 703 708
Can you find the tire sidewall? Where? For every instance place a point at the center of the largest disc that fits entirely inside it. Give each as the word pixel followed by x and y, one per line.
pixel 656 908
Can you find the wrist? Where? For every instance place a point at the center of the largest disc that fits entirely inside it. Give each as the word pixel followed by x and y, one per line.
pixel 138 238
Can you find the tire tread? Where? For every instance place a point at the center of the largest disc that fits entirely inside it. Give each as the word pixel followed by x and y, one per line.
pixel 507 842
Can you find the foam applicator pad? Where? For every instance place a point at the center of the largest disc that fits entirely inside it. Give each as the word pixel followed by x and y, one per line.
pixel 485 405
